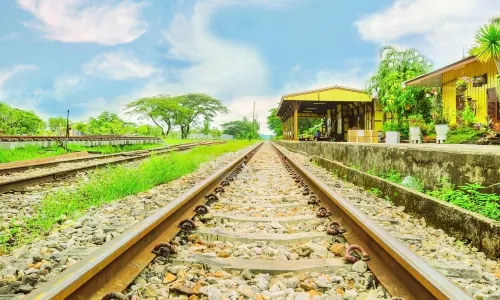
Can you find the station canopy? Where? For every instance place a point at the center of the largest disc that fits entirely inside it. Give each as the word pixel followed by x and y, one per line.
pixel 314 103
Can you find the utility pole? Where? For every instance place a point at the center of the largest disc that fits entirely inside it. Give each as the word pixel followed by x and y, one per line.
pixel 253 119
pixel 67 130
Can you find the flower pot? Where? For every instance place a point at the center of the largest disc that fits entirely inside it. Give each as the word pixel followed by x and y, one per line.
pixel 392 137
pixel 462 88
pixel 415 134
pixel 441 132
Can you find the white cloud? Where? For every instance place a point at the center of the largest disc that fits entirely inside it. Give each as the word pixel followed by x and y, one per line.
pixel 443 30
pixel 76 21
pixel 218 67
pixel 65 85
pixel 118 66
pixel 6 74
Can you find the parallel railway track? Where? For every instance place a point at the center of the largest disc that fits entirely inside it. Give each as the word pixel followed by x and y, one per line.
pixel 300 202
pixel 12 185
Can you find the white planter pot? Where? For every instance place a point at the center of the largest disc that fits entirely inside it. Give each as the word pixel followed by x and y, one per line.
pixel 392 137
pixel 415 134
pixel 441 132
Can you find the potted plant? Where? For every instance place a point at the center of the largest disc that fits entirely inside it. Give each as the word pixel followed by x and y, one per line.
pixel 461 83
pixel 392 135
pixel 441 126
pixel 415 121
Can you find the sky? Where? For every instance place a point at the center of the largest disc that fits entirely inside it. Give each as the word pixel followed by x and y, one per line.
pixel 89 56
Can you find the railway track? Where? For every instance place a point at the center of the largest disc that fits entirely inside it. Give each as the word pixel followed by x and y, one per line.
pixel 12 179
pixel 234 236
pixel 37 138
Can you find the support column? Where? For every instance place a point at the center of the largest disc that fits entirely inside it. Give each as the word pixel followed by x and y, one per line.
pixel 296 124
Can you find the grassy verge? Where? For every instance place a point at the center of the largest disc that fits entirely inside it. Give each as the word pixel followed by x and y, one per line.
pixel 469 196
pixel 107 185
pixel 33 152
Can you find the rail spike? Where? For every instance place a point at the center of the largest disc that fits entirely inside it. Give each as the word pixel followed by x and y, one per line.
pixel 322 212
pixel 187 225
pixel 211 197
pixel 119 296
pixel 353 253
pixel 218 190
pixel 313 200
pixel 201 209
pixel 164 249
pixel 334 228
pixel 225 183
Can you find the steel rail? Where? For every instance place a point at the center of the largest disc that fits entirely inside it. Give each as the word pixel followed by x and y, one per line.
pixel 12 185
pixel 45 164
pixel 402 272
pixel 30 138
pixel 116 264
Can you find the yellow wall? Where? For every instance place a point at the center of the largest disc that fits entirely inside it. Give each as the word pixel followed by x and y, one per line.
pixel 379 117
pixel 334 94
pixel 477 93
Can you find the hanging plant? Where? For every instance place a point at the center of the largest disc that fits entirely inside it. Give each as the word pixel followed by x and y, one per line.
pixel 479 80
pixel 461 83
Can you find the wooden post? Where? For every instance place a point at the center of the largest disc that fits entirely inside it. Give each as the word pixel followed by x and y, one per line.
pixel 296 125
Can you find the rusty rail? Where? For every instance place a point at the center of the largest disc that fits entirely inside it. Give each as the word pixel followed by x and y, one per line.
pixel 118 262
pixel 12 185
pixel 30 138
pixel 402 272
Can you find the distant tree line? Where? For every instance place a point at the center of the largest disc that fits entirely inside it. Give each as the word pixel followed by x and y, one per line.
pixel 14 121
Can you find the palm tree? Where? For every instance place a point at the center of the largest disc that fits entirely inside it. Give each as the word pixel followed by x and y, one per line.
pixel 487 45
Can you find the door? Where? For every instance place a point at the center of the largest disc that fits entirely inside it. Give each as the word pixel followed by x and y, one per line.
pixel 492 105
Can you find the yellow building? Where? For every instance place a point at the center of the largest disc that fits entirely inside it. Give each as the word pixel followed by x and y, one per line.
pixel 482 97
pixel 340 108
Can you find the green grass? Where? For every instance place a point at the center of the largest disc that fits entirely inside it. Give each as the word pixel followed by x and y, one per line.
pixel 107 185
pixel 470 197
pixel 33 152
pixel 463 135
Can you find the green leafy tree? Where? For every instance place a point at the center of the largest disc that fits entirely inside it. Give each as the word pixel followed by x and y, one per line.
pixel 239 129
pixel 394 69
pixel 57 125
pixel 18 121
pixel 206 126
pixel 274 123
pixel 487 43
pixel 194 106
pixel 215 133
pixel 162 110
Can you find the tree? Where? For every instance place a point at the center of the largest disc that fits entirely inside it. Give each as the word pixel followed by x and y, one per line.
pixel 487 45
pixel 18 121
pixel 394 69
pixel 57 125
pixel 206 126
pixel 239 129
pixel 194 106
pixel 274 123
pixel 160 108
pixel 215 133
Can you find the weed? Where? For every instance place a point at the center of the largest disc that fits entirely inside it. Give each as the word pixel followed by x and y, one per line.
pixel 106 185
pixel 392 176
pixel 470 197
pixel 375 191
pixel 372 171
pixel 356 167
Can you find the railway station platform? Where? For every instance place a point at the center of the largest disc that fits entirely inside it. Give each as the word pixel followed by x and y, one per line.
pixel 430 163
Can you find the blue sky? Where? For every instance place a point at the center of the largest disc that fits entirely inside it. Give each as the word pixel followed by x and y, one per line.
pixel 88 56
